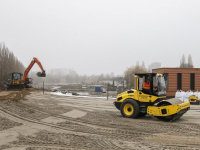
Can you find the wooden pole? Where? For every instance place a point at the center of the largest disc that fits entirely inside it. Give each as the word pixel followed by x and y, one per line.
pixel 107 91
pixel 43 87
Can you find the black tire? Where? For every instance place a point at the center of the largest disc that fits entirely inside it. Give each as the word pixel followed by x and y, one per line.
pixel 130 109
pixel 167 118
pixel 142 114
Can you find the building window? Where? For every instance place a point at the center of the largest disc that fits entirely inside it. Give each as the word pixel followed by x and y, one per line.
pixel 179 81
pixel 192 81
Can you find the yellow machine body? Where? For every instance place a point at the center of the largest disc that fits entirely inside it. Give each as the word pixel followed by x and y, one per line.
pixel 137 95
pixel 167 110
pixel 194 100
pixel 136 102
pixel 16 82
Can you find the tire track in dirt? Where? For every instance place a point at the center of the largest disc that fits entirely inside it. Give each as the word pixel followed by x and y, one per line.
pixel 106 129
pixel 93 136
pixel 76 126
pixel 7 124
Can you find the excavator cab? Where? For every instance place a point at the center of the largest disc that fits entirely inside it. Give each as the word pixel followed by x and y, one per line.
pixel 140 101
pixel 30 81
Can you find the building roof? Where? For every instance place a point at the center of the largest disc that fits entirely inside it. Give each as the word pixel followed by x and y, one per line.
pixel 175 68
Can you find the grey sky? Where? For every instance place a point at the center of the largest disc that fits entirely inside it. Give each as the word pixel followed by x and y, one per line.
pixel 101 36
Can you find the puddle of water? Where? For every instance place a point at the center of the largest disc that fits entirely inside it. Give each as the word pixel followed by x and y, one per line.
pixel 83 93
pixel 56 87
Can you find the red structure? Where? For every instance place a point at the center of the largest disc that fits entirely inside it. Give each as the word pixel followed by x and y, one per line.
pixel 180 79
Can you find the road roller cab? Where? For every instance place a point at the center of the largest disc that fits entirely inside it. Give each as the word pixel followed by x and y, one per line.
pixel 150 100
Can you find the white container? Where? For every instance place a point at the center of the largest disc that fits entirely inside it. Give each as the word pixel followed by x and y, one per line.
pixel 178 95
pixel 187 95
pixel 183 96
pixel 196 93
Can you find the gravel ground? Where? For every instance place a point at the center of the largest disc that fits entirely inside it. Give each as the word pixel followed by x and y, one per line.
pixel 48 122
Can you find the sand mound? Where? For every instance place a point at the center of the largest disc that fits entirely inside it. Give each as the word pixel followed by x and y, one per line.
pixel 14 95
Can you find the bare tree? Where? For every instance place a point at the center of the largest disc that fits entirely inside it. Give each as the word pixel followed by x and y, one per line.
pixel 143 65
pixel 190 63
pixel 8 63
pixel 130 72
pixel 183 63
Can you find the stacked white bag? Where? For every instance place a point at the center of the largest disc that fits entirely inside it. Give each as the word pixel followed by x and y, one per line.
pixel 183 96
pixel 197 94
pixel 187 95
pixel 180 95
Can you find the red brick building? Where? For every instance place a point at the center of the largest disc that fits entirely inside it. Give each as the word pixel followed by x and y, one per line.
pixel 180 79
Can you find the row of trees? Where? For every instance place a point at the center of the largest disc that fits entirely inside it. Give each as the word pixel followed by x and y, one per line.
pixel 130 72
pixel 184 64
pixel 69 76
pixel 8 63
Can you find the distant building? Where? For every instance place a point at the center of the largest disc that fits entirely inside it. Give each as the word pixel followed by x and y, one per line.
pixel 117 81
pixel 180 79
pixel 154 66
pixel 91 80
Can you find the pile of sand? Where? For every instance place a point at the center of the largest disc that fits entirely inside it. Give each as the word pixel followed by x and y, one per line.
pixel 14 95
pixel 2 86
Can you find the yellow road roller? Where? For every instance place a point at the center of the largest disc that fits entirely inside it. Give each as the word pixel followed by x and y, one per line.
pixel 194 100
pixel 149 97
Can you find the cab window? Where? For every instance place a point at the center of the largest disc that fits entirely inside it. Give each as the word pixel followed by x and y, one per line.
pixel 141 81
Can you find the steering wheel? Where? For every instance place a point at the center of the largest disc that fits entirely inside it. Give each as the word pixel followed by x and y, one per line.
pixel 155 89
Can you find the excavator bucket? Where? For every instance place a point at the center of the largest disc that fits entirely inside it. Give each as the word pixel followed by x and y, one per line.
pixel 41 74
pixel 15 87
pixel 169 110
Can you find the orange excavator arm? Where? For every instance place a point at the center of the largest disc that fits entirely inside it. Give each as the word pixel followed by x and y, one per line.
pixel 39 74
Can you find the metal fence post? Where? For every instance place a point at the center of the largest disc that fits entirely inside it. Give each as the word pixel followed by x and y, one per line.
pixel 107 91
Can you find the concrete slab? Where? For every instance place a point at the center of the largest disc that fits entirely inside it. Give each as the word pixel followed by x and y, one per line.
pixel 75 113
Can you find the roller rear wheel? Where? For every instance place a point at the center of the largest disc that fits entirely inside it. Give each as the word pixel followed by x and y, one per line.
pixel 130 109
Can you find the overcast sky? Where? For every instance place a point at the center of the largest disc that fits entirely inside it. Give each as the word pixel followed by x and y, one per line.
pixel 101 36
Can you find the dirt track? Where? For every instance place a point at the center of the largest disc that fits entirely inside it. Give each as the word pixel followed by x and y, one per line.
pixel 47 122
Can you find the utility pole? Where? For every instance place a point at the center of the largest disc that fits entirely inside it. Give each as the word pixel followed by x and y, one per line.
pixel 107 91
pixel 43 87
pixel 123 85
